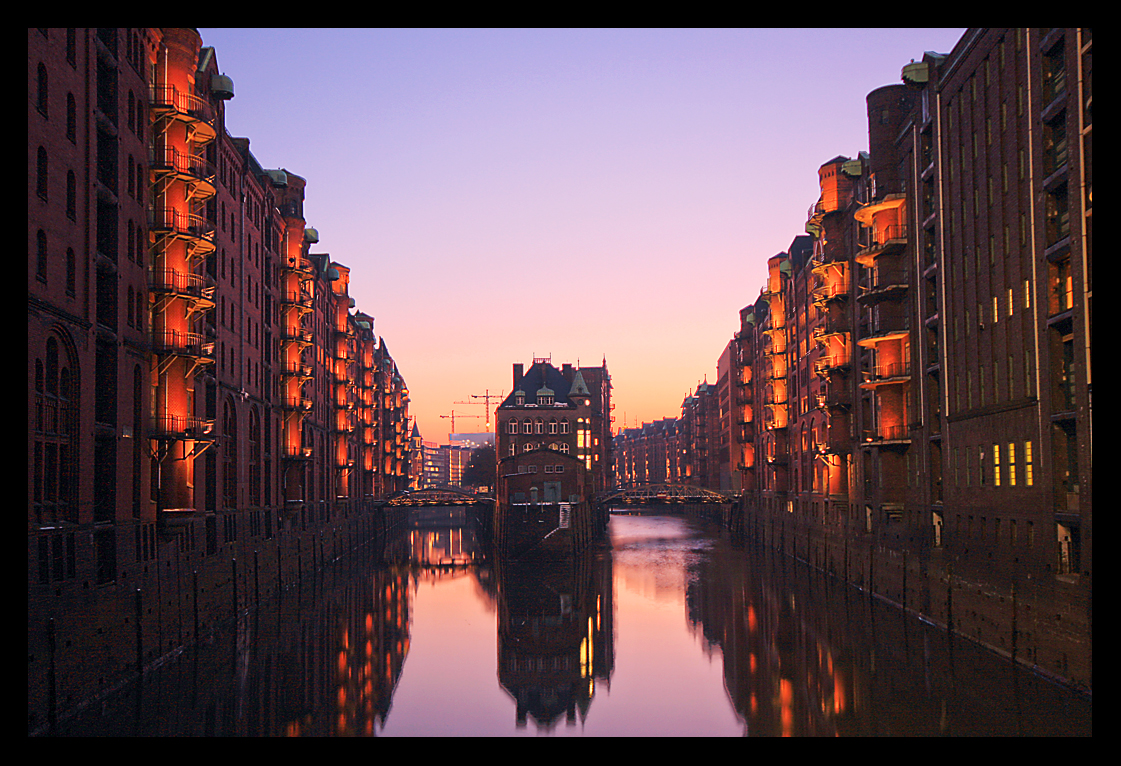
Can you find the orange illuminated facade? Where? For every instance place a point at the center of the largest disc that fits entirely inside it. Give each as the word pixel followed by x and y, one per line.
pixel 915 403
pixel 202 387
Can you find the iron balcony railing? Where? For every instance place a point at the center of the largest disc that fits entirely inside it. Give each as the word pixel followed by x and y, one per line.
pixel 166 219
pixel 192 344
pixel 181 427
pixel 168 97
pixel 168 158
pixel 180 282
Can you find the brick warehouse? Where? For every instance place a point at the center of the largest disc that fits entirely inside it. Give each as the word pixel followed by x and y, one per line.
pixel 909 399
pixel 209 417
pixel 914 407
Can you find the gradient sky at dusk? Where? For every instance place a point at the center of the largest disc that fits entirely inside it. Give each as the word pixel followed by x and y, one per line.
pixel 504 194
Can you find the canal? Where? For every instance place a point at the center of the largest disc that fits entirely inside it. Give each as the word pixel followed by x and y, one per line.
pixel 667 629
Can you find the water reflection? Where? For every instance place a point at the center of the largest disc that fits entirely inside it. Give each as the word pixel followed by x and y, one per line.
pixel 671 629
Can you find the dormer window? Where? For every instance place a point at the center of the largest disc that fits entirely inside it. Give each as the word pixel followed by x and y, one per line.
pixel 519 399
pixel 545 399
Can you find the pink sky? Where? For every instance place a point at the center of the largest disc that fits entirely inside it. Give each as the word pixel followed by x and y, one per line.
pixel 501 194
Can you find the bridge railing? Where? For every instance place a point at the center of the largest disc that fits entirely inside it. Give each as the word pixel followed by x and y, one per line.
pixel 662 493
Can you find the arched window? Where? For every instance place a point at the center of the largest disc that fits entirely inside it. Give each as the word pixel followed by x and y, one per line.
pixel 71 195
pixel 254 457
pixel 564 425
pixel 71 118
pixel 553 426
pixel 41 174
pixel 229 455
pixel 512 426
pixel 42 102
pixel 71 271
pixel 55 448
pixel 539 427
pixel 41 255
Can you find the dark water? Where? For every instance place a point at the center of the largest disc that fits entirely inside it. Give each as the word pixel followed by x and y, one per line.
pixel 667 630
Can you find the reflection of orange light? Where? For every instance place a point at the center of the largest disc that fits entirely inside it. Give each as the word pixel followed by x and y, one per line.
pixel 751 618
pixel 369 623
pixel 786 697
pixel 839 701
pixel 752 663
pixel 342 662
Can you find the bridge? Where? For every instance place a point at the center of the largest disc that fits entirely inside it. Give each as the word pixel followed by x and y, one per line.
pixel 662 494
pixel 438 496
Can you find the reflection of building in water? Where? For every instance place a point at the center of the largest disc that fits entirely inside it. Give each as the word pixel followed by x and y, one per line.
pixel 367 624
pixel 441 536
pixel 555 636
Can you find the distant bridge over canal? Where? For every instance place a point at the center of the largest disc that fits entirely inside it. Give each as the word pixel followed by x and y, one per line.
pixel 442 496
pixel 652 495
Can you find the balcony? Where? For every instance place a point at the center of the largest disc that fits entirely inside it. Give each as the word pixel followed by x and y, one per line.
pixel 296 370
pixel 181 427
pixel 297 403
pixel 197 288
pixel 300 335
pixel 167 162
pixel 297 298
pixel 196 229
pixel 168 102
pixel 884 285
pixel 192 345
pixel 887 434
pixel 833 289
pixel 886 374
pixel 885 328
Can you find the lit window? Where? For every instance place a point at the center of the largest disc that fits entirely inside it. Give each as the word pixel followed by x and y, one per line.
pixel 996 465
pixel 1028 478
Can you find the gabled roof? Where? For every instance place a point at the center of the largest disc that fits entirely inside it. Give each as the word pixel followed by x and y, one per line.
pixel 540 380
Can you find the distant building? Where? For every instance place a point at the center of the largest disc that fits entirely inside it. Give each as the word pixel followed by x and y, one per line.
pixel 554 452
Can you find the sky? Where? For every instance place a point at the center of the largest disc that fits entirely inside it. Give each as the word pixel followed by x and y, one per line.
pixel 583 195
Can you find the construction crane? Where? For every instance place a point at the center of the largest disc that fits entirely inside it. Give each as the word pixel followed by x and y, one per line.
pixel 487 397
pixel 453 416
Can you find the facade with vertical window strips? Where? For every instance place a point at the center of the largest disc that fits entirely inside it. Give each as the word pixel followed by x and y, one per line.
pixel 204 400
pixel 915 408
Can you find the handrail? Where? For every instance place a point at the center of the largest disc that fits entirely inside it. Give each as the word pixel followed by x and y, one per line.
pixel 183 103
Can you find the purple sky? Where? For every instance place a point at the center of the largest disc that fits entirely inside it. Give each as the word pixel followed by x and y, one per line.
pixel 501 194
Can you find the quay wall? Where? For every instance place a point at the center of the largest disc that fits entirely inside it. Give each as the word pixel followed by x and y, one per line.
pixel 86 640
pixel 1029 615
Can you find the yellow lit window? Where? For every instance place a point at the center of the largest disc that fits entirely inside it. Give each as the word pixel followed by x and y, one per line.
pixel 1028 478
pixel 996 465
pixel 1011 464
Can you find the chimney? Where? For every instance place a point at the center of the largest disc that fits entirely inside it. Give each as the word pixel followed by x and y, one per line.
pixel 517 374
